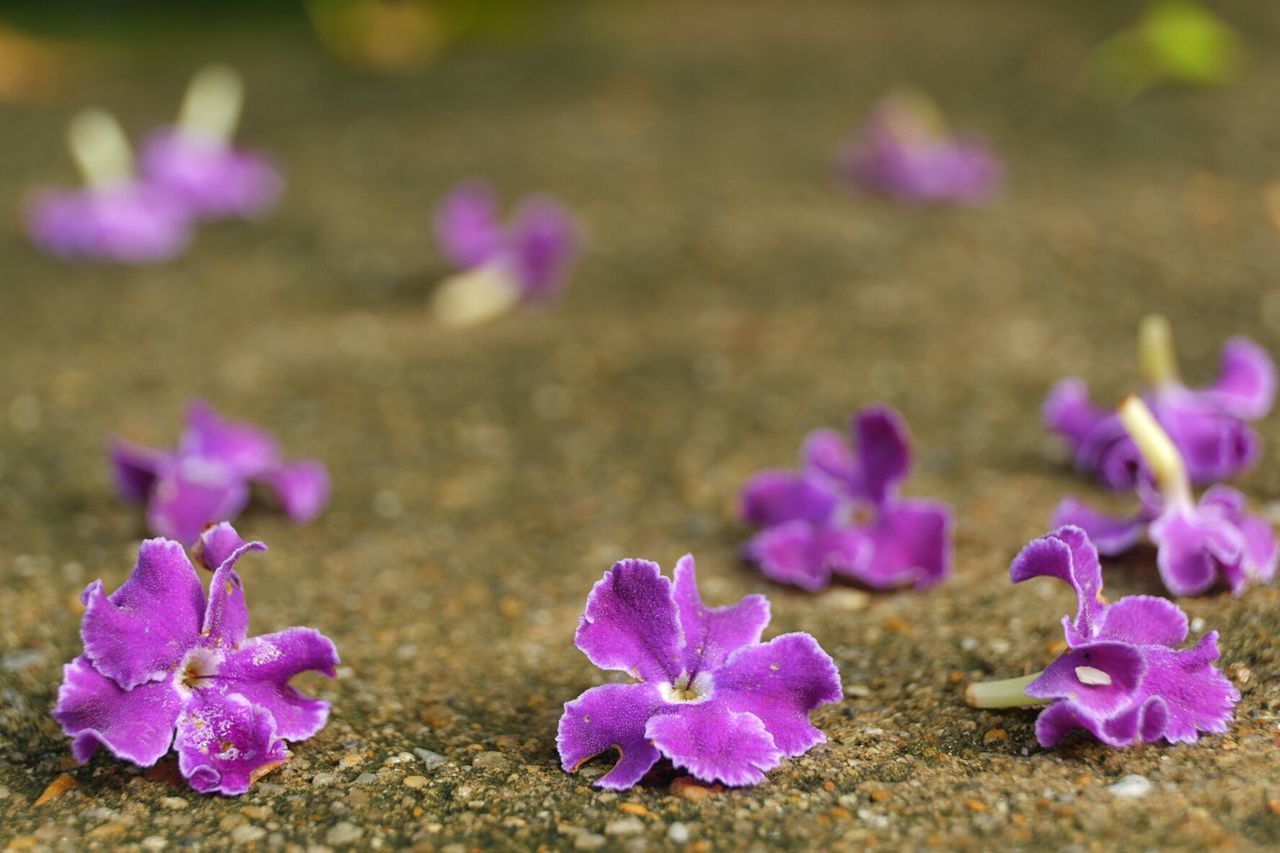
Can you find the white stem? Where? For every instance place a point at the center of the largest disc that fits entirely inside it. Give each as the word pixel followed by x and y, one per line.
pixel 1008 693
pixel 1157 449
pixel 1156 357
pixel 100 149
pixel 476 295
pixel 211 107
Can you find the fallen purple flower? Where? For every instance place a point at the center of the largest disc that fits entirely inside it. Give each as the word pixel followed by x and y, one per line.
pixel 195 161
pixel 903 151
pixel 1198 543
pixel 841 514
pixel 1209 425
pixel 1122 679
pixel 159 658
pixel 114 217
pixel 207 478
pixel 524 262
pixel 709 695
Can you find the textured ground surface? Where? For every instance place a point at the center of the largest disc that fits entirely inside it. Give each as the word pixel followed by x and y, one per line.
pixel 733 300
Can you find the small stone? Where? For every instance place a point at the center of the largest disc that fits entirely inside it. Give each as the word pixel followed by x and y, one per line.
pixel 432 760
pixel 57 788
pixel 415 782
pixel 175 803
pixel 366 778
pixel 688 788
pixel 155 842
pixel 588 841
pixel 1132 786
pixel 678 833
pixel 247 834
pixel 975 806
pixel 343 833
pixel 489 761
pixel 321 779
pixel 994 735
pixel 858 691
pixel 636 809
pixel 624 826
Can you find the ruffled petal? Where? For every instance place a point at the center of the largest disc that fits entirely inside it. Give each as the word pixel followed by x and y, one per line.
pixel 826 452
pixel 781 682
pixel 1144 721
pixel 136 725
pixel 192 494
pixel 1070 413
pixel 226 618
pixel 1144 620
pixel 776 496
pixel 1102 678
pixel 260 671
pixel 135 469
pixel 241 448
pixel 805 555
pixel 611 716
pixel 630 623
pixel 911 543
pixel 468 227
pixel 1199 698
pixel 1246 383
pixel 1215 445
pixel 1110 534
pixel 1193 547
pixel 715 744
pixel 883 453
pixel 142 630
pixel 301 487
pixel 1259 555
pixel 711 634
pixel 1068 555
pixel 226 742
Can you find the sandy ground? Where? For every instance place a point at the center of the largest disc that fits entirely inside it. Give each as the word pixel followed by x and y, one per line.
pixel 733 299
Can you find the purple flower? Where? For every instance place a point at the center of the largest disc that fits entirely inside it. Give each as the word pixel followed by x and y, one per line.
pixel 1198 542
pixel 903 151
pixel 159 658
pixel 525 261
pixel 709 695
pixel 207 478
pixel 1209 425
pixel 114 217
pixel 195 161
pixel 841 514
pixel 1122 679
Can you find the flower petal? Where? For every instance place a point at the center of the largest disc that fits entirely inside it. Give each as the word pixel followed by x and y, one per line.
pixel 1145 621
pixel 883 452
pixel 1110 534
pixel 1068 555
pixel 611 716
pixel 136 725
pixel 135 469
pixel 1144 721
pixel 1070 413
pixel 711 634
pixel 1102 678
pixel 827 452
pixel 1246 384
pixel 776 496
pixel 260 671
pixel 1215 445
pixel 805 554
pixel 630 623
pixel 716 744
pixel 225 742
pixel 780 682
pixel 911 543
pixel 242 448
pixel 543 243
pixel 467 226
pixel 1193 547
pixel 142 630
pixel 1199 698
pixel 226 618
pixel 192 494
pixel 301 487
pixel 1258 563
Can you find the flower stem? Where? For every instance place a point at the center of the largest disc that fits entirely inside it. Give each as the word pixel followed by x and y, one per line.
pixel 100 149
pixel 211 107
pixel 1156 358
pixel 1007 693
pixel 1157 449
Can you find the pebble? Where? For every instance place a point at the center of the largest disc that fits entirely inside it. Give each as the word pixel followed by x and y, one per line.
pixel 432 760
pixel 624 826
pixel 366 778
pixel 415 782
pixel 1132 786
pixel 588 841
pixel 175 803
pixel 247 834
pixel 678 833
pixel 489 761
pixel 343 833
pixel 155 842
pixel 324 779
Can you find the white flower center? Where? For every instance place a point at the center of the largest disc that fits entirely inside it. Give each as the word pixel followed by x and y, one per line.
pixel 197 671
pixel 1093 676
pixel 687 691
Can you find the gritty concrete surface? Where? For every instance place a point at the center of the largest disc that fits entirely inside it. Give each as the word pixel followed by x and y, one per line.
pixel 732 300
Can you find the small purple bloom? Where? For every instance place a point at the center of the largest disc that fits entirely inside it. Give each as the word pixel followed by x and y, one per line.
pixel 207 478
pixel 1209 425
pixel 903 151
pixel 195 161
pixel 524 261
pixel 709 695
pixel 1198 542
pixel 159 658
pixel 841 513
pixel 1122 679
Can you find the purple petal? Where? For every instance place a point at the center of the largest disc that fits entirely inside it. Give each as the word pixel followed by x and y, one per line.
pixel 192 494
pixel 1246 384
pixel 711 634
pixel 1198 697
pixel 776 496
pixel 1101 678
pixel 630 623
pixel 133 223
pixel 1193 547
pixel 1259 556
pixel 241 448
pixel 301 487
pixel 136 725
pixel 827 452
pixel 883 453
pixel 1144 620
pixel 226 619
pixel 225 742
pixel 141 632
pixel 715 744
pixel 543 245
pixel 216 545
pixel 780 682
pixel 805 555
pixel 911 544
pixel 260 670
pixel 1110 534
pixel 1068 555
pixel 611 716
pixel 213 179
pixel 1215 445
pixel 467 226
pixel 135 469
pixel 1142 722
pixel 1110 454
pixel 1070 413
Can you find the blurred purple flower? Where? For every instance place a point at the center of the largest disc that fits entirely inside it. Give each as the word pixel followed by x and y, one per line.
pixel 903 151
pixel 159 658
pixel 1198 542
pixel 1122 679
pixel 709 695
pixel 1209 425
pixel 207 478
pixel 841 514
